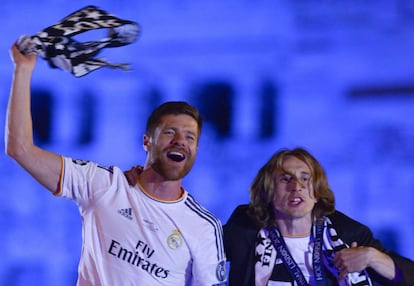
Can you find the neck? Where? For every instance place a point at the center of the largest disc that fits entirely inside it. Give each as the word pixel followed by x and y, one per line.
pixel 294 227
pixel 159 188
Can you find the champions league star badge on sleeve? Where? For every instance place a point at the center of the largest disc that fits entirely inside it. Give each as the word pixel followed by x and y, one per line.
pixel 56 45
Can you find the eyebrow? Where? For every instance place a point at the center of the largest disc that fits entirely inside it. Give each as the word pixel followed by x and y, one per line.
pixel 184 130
pixel 284 172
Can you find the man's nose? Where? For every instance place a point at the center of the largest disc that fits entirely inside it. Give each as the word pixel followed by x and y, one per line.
pixel 296 185
pixel 179 139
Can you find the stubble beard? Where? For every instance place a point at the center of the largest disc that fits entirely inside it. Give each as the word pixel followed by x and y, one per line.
pixel 172 173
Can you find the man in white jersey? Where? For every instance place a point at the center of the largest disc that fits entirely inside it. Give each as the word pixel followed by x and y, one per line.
pixel 152 232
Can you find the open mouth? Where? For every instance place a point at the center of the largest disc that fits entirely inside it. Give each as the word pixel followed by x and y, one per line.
pixel 295 201
pixel 176 156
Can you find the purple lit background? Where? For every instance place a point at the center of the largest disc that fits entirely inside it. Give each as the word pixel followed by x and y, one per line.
pixel 335 77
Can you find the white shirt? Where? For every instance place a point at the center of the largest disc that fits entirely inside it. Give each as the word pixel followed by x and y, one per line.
pixel 301 250
pixel 130 238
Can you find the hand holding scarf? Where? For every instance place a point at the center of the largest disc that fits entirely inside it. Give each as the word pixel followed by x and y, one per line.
pixel 56 45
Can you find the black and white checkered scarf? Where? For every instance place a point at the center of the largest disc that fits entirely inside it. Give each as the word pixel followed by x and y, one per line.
pixel 56 45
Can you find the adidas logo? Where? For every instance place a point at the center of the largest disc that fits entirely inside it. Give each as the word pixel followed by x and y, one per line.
pixel 126 213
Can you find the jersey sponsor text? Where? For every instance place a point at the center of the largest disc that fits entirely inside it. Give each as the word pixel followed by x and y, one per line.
pixel 139 259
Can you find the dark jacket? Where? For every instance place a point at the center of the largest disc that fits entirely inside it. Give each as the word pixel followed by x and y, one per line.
pixel 239 242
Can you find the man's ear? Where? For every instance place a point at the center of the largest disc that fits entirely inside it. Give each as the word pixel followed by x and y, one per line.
pixel 146 142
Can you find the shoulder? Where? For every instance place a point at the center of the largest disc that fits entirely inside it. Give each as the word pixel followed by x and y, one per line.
pixel 339 218
pixel 97 176
pixel 241 217
pixel 200 212
pixel 240 224
pixel 350 229
pixel 85 181
pixel 87 166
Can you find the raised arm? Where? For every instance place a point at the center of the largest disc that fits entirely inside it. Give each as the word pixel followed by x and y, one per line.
pixel 43 165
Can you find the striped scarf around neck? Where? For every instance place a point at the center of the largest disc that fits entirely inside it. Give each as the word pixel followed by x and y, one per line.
pixel 266 257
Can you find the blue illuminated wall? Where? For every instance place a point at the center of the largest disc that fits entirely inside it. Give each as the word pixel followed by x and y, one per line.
pixel 335 77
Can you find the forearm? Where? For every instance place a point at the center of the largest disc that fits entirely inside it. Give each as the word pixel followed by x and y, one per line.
pixel 18 133
pixel 381 263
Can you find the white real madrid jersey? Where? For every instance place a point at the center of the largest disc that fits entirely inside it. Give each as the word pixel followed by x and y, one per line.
pixel 130 238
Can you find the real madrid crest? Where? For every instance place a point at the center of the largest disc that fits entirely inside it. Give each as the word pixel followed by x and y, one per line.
pixel 175 240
